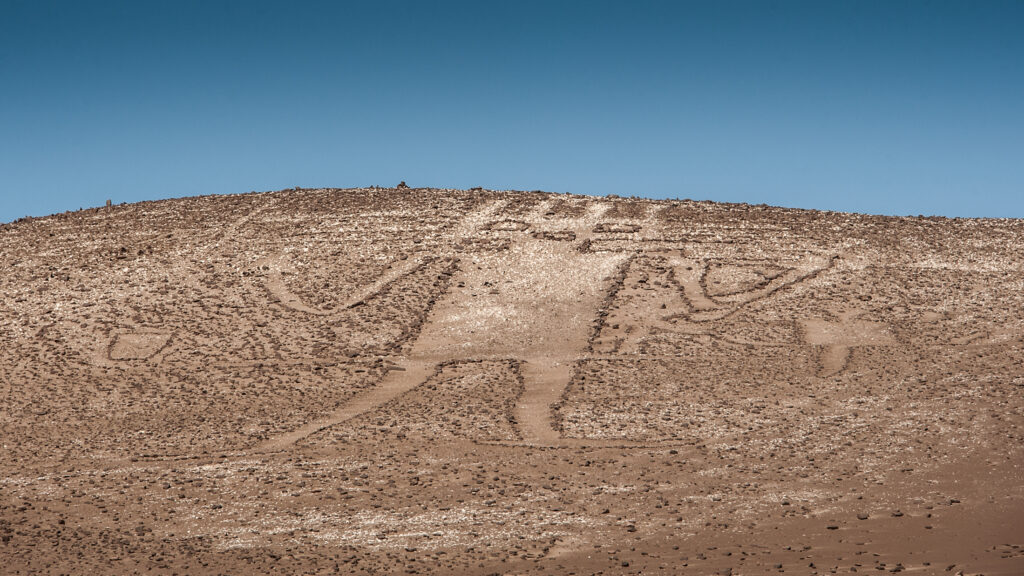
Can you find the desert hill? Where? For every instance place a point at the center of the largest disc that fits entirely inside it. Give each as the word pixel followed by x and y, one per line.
pixel 443 381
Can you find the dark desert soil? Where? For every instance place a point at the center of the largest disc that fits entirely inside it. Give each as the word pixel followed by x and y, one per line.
pixel 421 381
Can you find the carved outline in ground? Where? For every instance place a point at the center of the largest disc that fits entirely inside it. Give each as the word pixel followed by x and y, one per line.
pixel 837 339
pixel 277 265
pixel 408 372
pixel 694 306
pixel 690 275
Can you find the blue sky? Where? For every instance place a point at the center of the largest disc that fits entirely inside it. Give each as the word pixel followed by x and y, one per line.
pixel 882 107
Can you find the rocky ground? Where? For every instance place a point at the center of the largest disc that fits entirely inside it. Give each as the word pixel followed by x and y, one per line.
pixel 379 381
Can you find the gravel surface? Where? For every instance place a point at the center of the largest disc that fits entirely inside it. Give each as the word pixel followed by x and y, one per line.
pixel 424 381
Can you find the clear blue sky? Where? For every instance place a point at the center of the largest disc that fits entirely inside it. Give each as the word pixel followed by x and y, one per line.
pixel 884 107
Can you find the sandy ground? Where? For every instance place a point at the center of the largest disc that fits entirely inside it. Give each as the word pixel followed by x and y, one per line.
pixel 399 381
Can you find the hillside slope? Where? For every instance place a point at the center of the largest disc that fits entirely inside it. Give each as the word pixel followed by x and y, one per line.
pixel 442 381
